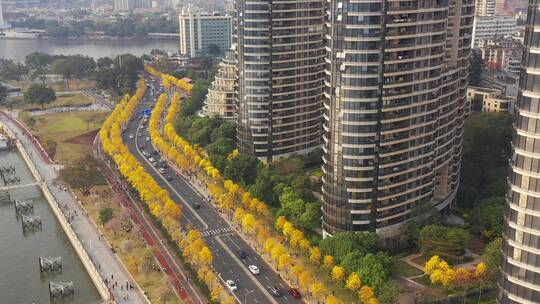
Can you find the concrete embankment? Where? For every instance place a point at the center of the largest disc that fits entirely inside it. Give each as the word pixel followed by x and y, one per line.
pixel 72 237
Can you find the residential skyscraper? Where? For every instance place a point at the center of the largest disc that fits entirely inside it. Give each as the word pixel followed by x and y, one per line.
pixel 221 98
pixel 519 281
pixel 486 7
pixel 280 55
pixel 199 31
pixel 396 79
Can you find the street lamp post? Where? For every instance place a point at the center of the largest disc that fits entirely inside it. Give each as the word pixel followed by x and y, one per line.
pixel 245 296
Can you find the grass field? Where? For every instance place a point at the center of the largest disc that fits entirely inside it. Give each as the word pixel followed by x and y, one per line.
pixel 70 131
pixel 59 86
pixel 403 269
pixel 66 100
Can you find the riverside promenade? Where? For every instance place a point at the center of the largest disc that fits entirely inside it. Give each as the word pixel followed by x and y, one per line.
pixel 105 268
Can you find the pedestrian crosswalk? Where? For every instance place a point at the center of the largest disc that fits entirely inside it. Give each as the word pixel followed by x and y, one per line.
pixel 216 231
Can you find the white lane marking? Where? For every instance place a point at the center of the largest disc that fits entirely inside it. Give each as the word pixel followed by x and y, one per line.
pixel 170 186
pixel 226 288
pixel 254 280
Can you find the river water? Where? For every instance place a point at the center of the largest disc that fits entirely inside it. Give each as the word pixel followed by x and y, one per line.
pixel 17 49
pixel 20 280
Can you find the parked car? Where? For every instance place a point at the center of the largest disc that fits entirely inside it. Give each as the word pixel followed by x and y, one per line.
pixel 131 136
pixel 274 291
pixel 169 178
pixel 230 284
pixel 196 205
pixel 151 159
pixel 295 293
pixel 161 170
pixel 254 269
pixel 242 254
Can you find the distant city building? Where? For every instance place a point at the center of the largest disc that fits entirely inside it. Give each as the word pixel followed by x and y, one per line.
pixel 3 23
pixel 200 31
pixel 229 6
pixel 519 279
pixel 506 82
pixel 124 5
pixel 489 100
pixel 143 3
pixel 221 98
pixel 485 7
pixel 501 53
pixel 491 27
pixel 509 7
pixel 495 7
pixel 512 63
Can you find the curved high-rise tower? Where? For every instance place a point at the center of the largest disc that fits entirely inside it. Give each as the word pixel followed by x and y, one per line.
pixel 280 55
pixel 221 98
pixel 396 77
pixel 519 281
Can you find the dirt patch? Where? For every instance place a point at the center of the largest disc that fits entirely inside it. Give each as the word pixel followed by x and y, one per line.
pixel 421 261
pixel 83 139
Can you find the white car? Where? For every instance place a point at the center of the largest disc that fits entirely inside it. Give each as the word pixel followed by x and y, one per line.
pixel 131 136
pixel 161 170
pixel 254 269
pixel 151 159
pixel 230 284
pixel 147 138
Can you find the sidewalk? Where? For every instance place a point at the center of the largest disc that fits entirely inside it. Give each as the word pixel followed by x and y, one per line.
pixel 166 256
pixel 111 269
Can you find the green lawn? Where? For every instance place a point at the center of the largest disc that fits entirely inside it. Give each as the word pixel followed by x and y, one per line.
pixel 70 130
pixel 317 172
pixel 67 100
pixel 403 269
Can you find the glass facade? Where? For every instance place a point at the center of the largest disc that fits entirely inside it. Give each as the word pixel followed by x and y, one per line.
pixel 395 91
pixel 199 30
pixel 519 281
pixel 280 55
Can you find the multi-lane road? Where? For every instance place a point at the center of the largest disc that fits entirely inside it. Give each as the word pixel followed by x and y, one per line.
pixel 223 240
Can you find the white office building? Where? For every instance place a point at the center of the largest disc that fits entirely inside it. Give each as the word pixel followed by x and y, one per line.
pixel 490 27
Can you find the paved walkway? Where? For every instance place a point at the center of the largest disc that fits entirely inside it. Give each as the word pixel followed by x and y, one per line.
pixel 108 264
pixel 469 265
pixel 166 257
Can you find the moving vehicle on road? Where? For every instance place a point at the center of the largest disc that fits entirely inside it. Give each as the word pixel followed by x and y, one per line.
pixel 295 293
pixel 147 138
pixel 169 178
pixel 196 205
pixel 274 291
pixel 242 254
pixel 231 285
pixel 254 269
pixel 131 136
